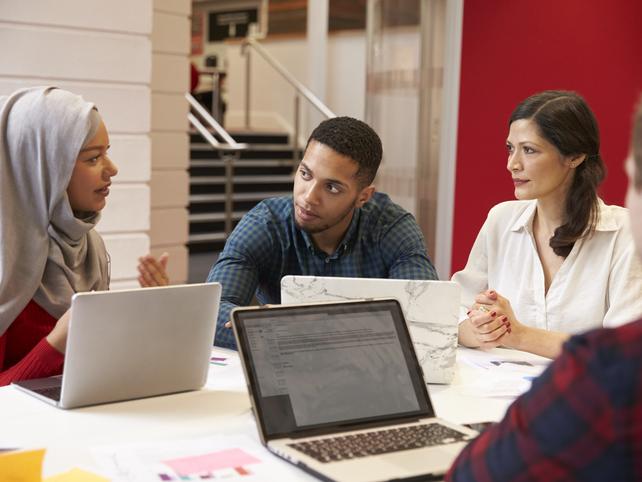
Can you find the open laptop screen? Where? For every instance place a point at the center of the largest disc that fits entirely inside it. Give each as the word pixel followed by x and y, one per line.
pixel 319 367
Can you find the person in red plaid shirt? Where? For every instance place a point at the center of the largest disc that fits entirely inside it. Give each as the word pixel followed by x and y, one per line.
pixel 582 419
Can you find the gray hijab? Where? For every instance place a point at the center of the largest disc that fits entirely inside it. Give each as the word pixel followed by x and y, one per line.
pixel 46 253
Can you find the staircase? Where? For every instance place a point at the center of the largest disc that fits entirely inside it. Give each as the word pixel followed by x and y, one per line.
pixel 264 170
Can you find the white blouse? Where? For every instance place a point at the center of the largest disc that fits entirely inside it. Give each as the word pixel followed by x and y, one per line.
pixel 599 283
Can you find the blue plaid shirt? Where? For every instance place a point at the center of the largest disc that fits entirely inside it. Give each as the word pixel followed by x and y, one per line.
pixel 382 241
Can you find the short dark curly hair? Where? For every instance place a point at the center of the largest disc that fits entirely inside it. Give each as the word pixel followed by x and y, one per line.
pixel 352 138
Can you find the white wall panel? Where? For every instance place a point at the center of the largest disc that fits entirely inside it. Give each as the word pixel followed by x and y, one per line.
pixel 169 226
pixel 169 189
pixel 131 153
pixel 345 84
pixel 171 33
pixel 170 150
pixel 115 15
pixel 102 51
pixel 183 7
pixel 73 54
pixel 169 112
pixel 170 144
pixel 124 250
pixel 125 108
pixel 128 209
pixel 169 73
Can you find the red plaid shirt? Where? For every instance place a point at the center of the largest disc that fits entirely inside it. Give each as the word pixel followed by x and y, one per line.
pixel 581 420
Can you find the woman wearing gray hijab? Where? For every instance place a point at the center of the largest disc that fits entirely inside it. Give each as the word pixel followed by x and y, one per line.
pixel 54 179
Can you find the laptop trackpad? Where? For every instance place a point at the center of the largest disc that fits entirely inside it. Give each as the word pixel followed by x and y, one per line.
pixel 427 460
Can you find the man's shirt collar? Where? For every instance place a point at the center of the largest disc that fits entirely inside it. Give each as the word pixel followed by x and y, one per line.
pixel 348 239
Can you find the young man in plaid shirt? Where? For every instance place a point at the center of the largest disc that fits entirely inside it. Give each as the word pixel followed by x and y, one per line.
pixel 582 419
pixel 334 224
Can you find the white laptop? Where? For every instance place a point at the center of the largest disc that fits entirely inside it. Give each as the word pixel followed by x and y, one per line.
pixel 132 344
pixel 431 309
pixel 337 390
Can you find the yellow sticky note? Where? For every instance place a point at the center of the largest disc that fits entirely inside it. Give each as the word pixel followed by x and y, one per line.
pixel 22 466
pixel 76 475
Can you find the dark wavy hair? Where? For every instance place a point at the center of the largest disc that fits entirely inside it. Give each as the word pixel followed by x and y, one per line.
pixel 354 139
pixel 566 121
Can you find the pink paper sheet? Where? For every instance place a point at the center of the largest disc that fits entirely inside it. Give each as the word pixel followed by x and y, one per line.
pixel 210 462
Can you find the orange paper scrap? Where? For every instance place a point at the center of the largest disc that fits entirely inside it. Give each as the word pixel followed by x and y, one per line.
pixel 21 466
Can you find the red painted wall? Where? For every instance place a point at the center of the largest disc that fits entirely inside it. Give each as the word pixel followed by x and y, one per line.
pixel 514 48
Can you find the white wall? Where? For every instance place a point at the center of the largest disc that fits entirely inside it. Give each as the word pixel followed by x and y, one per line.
pixel 394 112
pixel 272 98
pixel 169 138
pixel 102 51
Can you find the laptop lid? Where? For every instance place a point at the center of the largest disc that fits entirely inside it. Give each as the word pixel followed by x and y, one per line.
pixel 138 343
pixel 322 368
pixel 431 309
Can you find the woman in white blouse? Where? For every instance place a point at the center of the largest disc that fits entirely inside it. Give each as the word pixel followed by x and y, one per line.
pixel 557 261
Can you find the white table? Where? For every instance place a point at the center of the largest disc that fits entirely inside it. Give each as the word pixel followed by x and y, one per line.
pixel 222 406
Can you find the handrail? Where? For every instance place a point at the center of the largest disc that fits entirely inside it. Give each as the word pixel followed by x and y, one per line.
pixel 302 89
pixel 230 145
pixel 203 131
pixel 230 152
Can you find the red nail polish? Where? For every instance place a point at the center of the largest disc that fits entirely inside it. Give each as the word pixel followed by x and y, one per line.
pixel 492 313
pixel 505 319
pixel 508 329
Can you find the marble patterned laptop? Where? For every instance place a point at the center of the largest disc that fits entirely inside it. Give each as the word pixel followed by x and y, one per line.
pixel 431 309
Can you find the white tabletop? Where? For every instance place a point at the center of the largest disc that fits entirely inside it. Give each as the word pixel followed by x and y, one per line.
pixel 222 407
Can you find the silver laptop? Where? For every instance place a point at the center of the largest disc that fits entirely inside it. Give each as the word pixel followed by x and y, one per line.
pixel 132 344
pixel 431 309
pixel 337 390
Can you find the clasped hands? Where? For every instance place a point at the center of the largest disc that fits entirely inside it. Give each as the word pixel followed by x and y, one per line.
pixel 493 322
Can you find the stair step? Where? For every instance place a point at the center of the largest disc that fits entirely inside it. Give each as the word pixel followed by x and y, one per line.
pixel 210 217
pixel 265 169
pixel 204 146
pixel 238 196
pixel 284 153
pixel 265 179
pixel 242 163
pixel 206 237
pixel 249 137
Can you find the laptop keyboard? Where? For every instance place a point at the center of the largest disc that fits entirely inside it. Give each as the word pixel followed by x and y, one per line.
pixel 380 442
pixel 50 392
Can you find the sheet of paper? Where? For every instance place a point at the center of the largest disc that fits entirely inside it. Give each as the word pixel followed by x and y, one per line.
pixel 224 370
pixel 504 373
pixel 228 457
pixel 22 465
pixel 76 475
pixel 503 359
pixel 496 386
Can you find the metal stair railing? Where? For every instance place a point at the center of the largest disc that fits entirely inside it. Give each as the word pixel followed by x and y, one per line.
pixel 301 90
pixel 229 150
